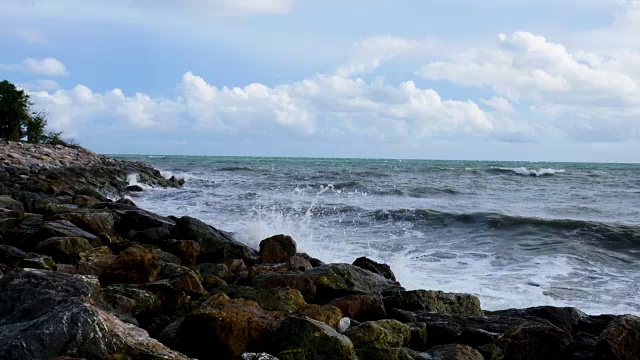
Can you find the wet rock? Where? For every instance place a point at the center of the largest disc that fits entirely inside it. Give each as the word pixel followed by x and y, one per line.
pixel 134 188
pixel 283 300
pixel 380 269
pixel 65 229
pixel 566 318
pixel 389 353
pixel 434 301
pixel 187 250
pixel 388 333
pixel 277 249
pixel 226 328
pixel 144 226
pixel 304 338
pixel 299 263
pixel 454 352
pixel 216 246
pixel 47 314
pixel 36 261
pixel 329 315
pixel 338 280
pixel 534 342
pixel 94 222
pixel 361 307
pixel 135 265
pixel 9 255
pixel 296 281
pixel 261 356
pixel 6 202
pixel 65 250
pixel 621 338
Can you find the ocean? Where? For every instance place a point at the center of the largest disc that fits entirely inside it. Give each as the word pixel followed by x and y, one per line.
pixel 514 234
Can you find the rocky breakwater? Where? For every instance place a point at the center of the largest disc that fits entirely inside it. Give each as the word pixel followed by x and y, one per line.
pixel 102 279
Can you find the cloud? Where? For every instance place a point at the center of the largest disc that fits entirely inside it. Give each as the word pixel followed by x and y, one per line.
pixel 370 53
pixel 563 88
pixel 47 66
pixel 30 35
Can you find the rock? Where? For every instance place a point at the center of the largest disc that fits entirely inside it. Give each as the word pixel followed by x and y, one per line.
pixel 65 229
pixel 135 265
pixel 153 323
pixel 261 356
pixel 64 249
pixel 145 301
pixel 84 200
pixel 455 352
pixel 9 255
pixel 388 333
pixel 534 342
pixel 94 261
pixel 189 283
pixel 296 281
pixel 621 338
pixel 94 222
pixel 418 339
pixel 338 280
pixel 216 246
pixel 6 202
pixel 299 263
pixel 277 249
pixel 37 261
pixel 312 340
pixel 226 328
pixel 126 201
pixel 143 226
pixel 389 353
pixel 283 300
pixel 172 300
pixel 380 269
pixel 329 315
pixel 434 301
pixel 220 270
pixel 361 307
pixel 44 315
pixel 566 318
pixel 134 188
pixel 210 282
pixel 186 250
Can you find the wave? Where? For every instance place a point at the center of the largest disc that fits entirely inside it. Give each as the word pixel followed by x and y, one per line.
pixel 529 172
pixel 236 168
pixel 614 235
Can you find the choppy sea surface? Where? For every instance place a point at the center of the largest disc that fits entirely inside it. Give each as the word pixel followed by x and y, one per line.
pixel 514 234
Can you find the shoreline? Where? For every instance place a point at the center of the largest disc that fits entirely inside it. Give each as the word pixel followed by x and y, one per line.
pixel 117 269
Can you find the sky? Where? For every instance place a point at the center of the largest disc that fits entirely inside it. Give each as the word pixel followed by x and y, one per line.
pixel 519 80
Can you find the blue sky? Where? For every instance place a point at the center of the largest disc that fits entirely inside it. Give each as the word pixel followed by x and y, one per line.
pixel 497 79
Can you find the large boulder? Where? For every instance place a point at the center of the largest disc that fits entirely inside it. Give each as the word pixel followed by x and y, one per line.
pixel 216 246
pixel 64 250
pixel 338 280
pixel 44 315
pixel 292 280
pixel 454 352
pixel 277 249
pixel 9 255
pixel 434 301
pixel 380 269
pixel 621 339
pixel 187 250
pixel 378 352
pixel 328 314
pixel 226 328
pixel 7 202
pixel 94 222
pixel 283 300
pixel 389 333
pixel 144 226
pixel 305 338
pixel 64 228
pixel 135 265
pixel 361 307
pixel 534 342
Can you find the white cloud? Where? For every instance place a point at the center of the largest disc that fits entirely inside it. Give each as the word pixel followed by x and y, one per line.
pixel 30 35
pixel 370 53
pixel 586 95
pixel 498 103
pixel 47 66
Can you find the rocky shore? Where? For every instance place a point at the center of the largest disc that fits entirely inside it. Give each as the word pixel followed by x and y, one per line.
pixel 86 274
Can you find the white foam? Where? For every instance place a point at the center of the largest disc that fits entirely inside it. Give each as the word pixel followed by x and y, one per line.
pixel 134 179
pixel 532 172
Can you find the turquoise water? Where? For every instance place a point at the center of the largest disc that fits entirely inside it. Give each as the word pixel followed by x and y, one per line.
pixel 514 234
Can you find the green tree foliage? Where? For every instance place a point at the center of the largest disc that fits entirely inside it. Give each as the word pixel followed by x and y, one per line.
pixel 14 110
pixel 15 115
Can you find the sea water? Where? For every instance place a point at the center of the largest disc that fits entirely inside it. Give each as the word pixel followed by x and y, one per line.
pixel 513 234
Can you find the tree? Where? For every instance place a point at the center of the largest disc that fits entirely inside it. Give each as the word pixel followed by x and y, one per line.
pixel 14 110
pixel 35 128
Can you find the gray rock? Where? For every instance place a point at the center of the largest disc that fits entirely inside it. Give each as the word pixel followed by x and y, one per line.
pixel 7 202
pixel 313 340
pixel 434 301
